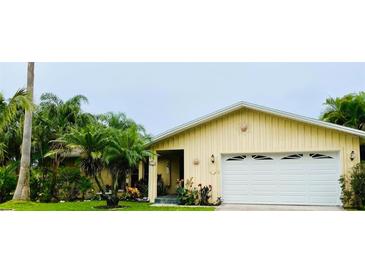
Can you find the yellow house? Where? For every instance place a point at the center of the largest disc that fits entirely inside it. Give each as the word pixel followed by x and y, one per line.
pixel 256 155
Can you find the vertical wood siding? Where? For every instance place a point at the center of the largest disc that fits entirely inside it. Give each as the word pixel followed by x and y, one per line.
pixel 265 133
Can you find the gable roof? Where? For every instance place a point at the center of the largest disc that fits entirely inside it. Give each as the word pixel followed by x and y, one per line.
pixel 242 104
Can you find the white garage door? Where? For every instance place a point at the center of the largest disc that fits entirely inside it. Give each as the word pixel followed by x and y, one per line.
pixel 286 178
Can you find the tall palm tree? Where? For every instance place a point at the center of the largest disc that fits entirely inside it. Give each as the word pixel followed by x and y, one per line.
pixel 22 191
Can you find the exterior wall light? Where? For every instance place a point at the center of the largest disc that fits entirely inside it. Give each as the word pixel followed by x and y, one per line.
pixel 212 159
pixel 352 155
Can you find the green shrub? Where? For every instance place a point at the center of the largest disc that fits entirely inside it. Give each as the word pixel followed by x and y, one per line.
pixel 39 186
pixel 72 185
pixel 205 193
pixel 7 182
pixel 130 194
pixel 353 187
pixel 187 194
pixel 142 186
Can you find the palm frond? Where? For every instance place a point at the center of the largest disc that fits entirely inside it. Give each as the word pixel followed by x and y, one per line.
pixel 2 151
pixel 21 100
pixel 77 100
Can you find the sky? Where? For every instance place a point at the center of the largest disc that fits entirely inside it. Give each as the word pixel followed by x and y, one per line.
pixel 161 96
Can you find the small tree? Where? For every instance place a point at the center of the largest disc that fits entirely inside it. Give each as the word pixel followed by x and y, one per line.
pixel 353 187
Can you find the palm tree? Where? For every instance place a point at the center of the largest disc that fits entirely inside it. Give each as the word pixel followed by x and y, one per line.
pixel 126 148
pixel 53 119
pixel 62 115
pixel 22 191
pixel 120 121
pixel 348 110
pixel 90 142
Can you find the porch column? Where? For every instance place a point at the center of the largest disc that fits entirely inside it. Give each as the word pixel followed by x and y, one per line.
pixel 152 178
pixel 140 170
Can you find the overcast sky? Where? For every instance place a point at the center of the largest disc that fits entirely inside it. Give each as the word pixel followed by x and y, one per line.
pixel 163 95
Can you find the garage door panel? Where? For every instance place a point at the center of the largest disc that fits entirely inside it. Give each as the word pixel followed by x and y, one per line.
pixel 321 170
pixel 293 199
pixel 320 200
pixel 264 199
pixel 291 188
pixel 305 178
pixel 237 177
pixel 238 194
pixel 287 172
pixel 238 189
pixel 261 178
pixel 291 177
pixel 320 191
pixel 235 181
pixel 323 188
pixel 240 168
pixel 263 189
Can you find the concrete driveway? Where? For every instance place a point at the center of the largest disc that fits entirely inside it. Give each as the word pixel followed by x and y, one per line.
pixel 246 207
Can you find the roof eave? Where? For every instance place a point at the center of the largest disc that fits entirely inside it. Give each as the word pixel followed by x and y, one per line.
pixel 272 111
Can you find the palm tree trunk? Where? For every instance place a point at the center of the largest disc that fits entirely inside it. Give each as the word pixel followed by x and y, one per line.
pixel 22 191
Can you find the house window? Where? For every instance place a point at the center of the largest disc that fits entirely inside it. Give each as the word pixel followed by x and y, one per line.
pixel 237 158
pixel 292 157
pixel 320 156
pixel 261 157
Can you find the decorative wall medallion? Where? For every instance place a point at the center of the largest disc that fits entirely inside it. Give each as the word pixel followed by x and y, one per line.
pixel 244 128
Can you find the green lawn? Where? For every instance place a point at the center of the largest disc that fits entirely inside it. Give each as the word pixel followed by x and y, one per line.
pixel 91 206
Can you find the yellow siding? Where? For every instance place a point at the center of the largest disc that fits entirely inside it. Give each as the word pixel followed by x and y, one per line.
pixel 265 134
pixel 106 177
